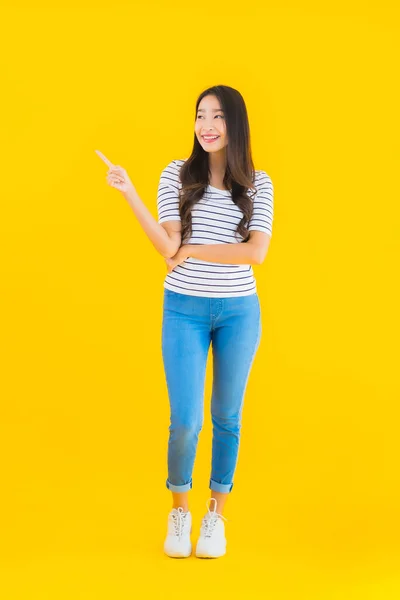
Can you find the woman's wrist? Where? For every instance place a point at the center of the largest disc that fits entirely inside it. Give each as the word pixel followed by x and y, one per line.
pixel 186 250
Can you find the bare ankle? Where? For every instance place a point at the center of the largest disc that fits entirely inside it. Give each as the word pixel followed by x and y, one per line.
pixel 185 508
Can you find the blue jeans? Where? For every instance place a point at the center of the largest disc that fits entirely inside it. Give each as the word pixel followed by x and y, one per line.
pixel 190 323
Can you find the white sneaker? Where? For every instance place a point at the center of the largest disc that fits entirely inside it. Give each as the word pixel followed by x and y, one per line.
pixel 177 543
pixel 212 542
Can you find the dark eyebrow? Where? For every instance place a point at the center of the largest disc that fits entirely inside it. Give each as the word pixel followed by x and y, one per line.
pixel 213 109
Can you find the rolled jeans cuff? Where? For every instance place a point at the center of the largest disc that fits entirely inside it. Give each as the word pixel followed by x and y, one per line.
pixel 224 488
pixel 179 488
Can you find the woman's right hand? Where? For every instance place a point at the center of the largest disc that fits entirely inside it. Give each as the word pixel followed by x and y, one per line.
pixel 118 178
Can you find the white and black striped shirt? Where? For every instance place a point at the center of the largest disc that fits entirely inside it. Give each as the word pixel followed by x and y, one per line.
pixel 214 221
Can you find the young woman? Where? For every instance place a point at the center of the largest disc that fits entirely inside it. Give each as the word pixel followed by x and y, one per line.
pixel 215 215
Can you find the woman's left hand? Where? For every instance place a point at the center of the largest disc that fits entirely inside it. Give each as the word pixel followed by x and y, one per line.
pixel 182 254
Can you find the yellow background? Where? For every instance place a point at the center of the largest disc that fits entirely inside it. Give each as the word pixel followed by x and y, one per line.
pixel 314 513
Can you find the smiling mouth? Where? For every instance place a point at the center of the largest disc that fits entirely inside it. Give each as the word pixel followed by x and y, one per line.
pixel 209 140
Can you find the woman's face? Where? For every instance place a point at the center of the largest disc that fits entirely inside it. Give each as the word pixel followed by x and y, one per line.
pixel 210 122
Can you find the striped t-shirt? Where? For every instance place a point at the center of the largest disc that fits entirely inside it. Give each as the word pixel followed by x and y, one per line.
pixel 214 221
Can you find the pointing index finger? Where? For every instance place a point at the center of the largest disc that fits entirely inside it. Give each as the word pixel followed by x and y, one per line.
pixel 104 158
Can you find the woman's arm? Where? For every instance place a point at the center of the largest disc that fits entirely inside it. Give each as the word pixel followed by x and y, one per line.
pixel 252 252
pixel 236 254
pixel 165 242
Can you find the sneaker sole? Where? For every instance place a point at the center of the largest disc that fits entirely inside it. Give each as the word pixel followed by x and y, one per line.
pixel 204 555
pixel 178 555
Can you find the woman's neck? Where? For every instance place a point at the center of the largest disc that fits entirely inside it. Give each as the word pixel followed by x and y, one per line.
pixel 217 164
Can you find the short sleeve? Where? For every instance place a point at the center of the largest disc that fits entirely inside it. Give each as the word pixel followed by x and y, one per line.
pixel 263 207
pixel 167 196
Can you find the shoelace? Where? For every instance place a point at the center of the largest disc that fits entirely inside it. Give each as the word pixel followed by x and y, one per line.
pixel 179 519
pixel 209 521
